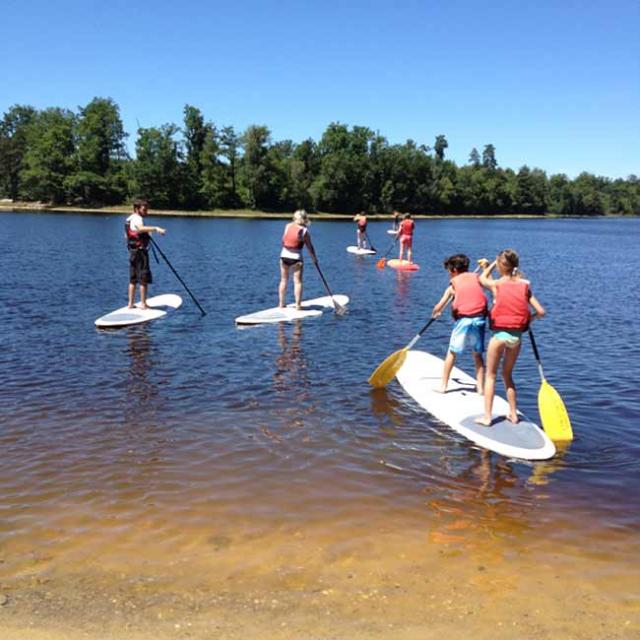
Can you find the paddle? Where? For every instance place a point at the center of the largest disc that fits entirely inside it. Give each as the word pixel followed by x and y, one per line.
pixel 386 371
pixel 553 413
pixel 338 308
pixel 155 244
pixel 380 264
pixel 366 235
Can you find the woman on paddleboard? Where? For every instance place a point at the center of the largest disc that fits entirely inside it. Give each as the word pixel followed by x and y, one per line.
pixel 508 318
pixel 405 232
pixel 361 229
pixel 296 236
pixel 137 234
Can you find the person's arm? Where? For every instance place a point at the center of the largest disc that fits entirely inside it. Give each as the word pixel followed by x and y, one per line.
pixel 539 309
pixel 442 303
pixel 485 278
pixel 146 229
pixel 309 245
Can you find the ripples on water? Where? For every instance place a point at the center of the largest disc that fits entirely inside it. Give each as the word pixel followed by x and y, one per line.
pixel 171 426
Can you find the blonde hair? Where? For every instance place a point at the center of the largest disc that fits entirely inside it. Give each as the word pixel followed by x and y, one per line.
pixel 510 262
pixel 301 217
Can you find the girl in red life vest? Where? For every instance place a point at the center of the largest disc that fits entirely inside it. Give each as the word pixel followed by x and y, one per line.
pixel 405 231
pixel 469 310
pixel 295 237
pixel 361 230
pixel 509 317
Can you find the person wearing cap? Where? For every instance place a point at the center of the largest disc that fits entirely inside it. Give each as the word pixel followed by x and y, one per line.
pixel 296 236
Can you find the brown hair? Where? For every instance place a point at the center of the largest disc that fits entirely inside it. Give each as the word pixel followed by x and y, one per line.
pixel 510 261
pixel 459 263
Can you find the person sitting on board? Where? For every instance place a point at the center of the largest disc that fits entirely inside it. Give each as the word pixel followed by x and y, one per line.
pixel 469 309
pixel 405 231
pixel 137 234
pixel 361 229
pixel 508 318
pixel 296 236
pixel 396 219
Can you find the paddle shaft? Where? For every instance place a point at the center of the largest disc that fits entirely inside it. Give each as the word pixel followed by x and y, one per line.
pixel 175 273
pixel 366 235
pixel 536 353
pixel 337 306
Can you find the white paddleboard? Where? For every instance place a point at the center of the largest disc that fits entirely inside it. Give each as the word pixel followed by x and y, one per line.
pixel 124 316
pixel 310 309
pixel 391 232
pixel 421 373
pixel 361 252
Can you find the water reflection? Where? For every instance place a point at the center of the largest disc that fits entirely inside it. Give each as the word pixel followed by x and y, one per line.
pixel 142 390
pixel 290 374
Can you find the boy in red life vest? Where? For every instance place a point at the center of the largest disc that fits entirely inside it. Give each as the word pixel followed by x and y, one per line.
pixel 361 231
pixel 137 236
pixel 469 310
pixel 295 237
pixel 405 232
pixel 509 317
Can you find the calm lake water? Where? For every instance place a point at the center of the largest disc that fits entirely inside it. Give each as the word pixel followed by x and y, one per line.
pixel 169 437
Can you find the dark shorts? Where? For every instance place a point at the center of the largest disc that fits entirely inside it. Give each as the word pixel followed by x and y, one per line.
pixel 139 268
pixel 289 262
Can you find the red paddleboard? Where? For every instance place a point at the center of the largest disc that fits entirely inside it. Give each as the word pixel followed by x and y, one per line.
pixel 402 265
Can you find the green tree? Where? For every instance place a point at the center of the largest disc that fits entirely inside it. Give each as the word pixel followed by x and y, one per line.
pixel 156 171
pixel 474 157
pixel 489 157
pixel 13 147
pixel 440 145
pixel 49 159
pixel 531 192
pixel 197 134
pixel 255 168
pixel 100 153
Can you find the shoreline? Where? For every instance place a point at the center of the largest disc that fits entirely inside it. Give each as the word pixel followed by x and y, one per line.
pixel 37 207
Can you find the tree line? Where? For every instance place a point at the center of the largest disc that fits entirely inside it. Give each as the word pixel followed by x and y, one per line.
pixel 58 156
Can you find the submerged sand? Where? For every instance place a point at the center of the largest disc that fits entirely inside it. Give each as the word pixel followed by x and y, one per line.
pixel 448 581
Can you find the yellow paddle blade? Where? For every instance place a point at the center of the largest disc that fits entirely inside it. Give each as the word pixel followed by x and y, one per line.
pixel 387 370
pixel 553 414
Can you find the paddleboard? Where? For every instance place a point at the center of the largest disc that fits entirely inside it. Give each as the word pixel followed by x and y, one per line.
pixel 402 265
pixel 124 316
pixel 310 309
pixel 361 252
pixel 421 373
pixel 391 232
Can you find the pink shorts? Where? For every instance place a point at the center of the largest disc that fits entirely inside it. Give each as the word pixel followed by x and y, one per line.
pixel 406 241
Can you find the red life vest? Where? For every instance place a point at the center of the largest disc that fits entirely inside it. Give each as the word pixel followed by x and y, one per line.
pixel 293 237
pixel 469 300
pixel 406 228
pixel 510 310
pixel 135 239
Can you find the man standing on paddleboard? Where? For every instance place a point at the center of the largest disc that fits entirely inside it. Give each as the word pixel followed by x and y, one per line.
pixel 137 234
pixel 361 229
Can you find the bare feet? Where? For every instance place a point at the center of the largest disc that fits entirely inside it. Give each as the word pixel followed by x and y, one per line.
pixel 513 418
pixel 483 420
pixel 480 390
pixel 298 307
pixel 143 306
pixel 440 389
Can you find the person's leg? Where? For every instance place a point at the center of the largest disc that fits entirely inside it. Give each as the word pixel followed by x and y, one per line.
pixel 143 296
pixel 494 352
pixel 449 361
pixel 132 294
pixel 510 357
pixel 479 362
pixel 297 284
pixel 410 251
pixel 282 287
pixel 401 248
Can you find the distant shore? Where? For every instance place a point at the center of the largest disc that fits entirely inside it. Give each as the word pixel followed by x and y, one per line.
pixel 7 205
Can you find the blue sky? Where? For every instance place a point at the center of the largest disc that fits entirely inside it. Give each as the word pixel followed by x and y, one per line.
pixel 551 84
